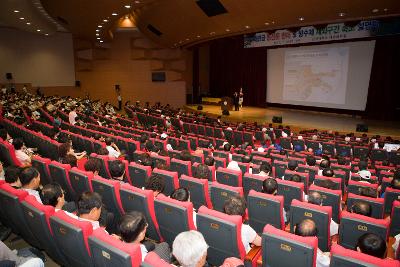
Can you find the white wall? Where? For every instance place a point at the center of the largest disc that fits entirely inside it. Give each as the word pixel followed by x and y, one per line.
pixel 37 59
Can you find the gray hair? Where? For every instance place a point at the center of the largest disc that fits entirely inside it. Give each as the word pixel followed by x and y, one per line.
pixel 189 247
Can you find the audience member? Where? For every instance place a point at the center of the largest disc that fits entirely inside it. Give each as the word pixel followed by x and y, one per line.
pixel 156 183
pixel 20 154
pixel 30 181
pixel 113 150
pixel 372 244
pixel 190 249
pixel 362 208
pixel 316 199
pixel 11 176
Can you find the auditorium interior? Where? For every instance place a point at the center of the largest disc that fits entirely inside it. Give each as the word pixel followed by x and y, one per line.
pixel 199 133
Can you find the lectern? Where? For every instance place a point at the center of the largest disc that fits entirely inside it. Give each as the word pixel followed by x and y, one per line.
pixel 226 103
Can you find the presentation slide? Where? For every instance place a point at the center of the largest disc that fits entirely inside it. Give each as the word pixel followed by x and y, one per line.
pixel 331 76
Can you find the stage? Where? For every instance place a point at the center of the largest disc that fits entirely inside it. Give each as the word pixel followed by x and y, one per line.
pixel 301 119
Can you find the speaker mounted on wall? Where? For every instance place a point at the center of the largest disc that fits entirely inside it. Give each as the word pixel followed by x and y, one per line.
pixel 211 7
pixel 277 119
pixel 117 87
pixel 77 83
pixel 158 76
pixel 9 76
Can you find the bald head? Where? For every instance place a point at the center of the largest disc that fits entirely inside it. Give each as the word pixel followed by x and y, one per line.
pixel 306 227
pixel 315 198
pixel 362 208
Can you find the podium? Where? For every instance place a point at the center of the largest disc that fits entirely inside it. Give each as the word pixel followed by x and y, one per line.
pixel 226 103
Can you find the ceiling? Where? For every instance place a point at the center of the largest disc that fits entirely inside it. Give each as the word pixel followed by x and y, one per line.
pixel 183 23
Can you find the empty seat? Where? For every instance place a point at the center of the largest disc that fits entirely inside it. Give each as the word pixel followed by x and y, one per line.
pixel 229 177
pixel 342 257
pixel 60 174
pixel 390 196
pixel 252 182
pixel 109 192
pixel 170 178
pixel 173 217
pixel 222 233
pixel 182 167
pixel 395 219
pixel 71 236
pixel 332 198
pixel 198 188
pixel 377 204
pixel 136 199
pixel 352 226
pixel 278 168
pixel 378 155
pixel 220 193
pixel 281 248
pixel 81 181
pixel 139 174
pixel 42 165
pixel 265 209
pixel 108 251
pixel 290 190
pixel 321 215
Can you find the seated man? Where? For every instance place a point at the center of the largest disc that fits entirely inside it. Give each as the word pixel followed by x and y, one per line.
pixel 11 176
pixel 265 169
pixel 89 208
pixel 372 244
pixel 236 205
pixel 117 170
pixel 196 255
pixel 93 165
pixel 362 208
pixel 155 183
pixel 270 186
pixel 30 181
pixel 182 194
pixel 132 229
pixel 201 172
pixel 316 199
pixel 53 195
pixel 11 258
pixel 308 227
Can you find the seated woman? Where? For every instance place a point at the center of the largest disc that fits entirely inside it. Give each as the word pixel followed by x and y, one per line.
pixel 66 149
pixel 132 228
pixel 20 153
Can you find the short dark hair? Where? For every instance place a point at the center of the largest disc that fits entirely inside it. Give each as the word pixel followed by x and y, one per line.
pixel 227 147
pixel 265 167
pixel 368 192
pixel 27 175
pixel 246 159
pixel 108 141
pixel 93 165
pixel 292 165
pixel 69 159
pixel 306 227
pixel 328 172
pixel 103 151
pixel 149 145
pixel 270 185
pixel 209 161
pixel 327 183
pixel 310 160
pixel 50 194
pixel 295 178
pixel 341 160
pixel 362 208
pixel 325 163
pixel 131 225
pixel 202 171
pixel 11 174
pixel 235 205
pixel 185 155
pixel 362 165
pixel 117 168
pixel 156 183
pixel 63 149
pixel 143 138
pixel 314 198
pixel 395 183
pixel 181 194
pixel 3 134
pixel 18 143
pixel 372 244
pixel 88 201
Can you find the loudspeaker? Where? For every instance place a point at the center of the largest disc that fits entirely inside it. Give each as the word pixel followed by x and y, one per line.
pixel 9 76
pixel 225 112
pixel 362 128
pixel 199 107
pixel 77 83
pixel 211 7
pixel 117 87
pixel 277 119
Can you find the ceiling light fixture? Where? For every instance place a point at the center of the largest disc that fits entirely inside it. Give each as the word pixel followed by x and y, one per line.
pixel 127 6
pixel 137 2
pixel 198 36
pixel 385 9
pixel 375 10
pixel 21 18
pixel 16 11
pixel 212 33
pixel 266 23
pixel 101 41
pixel 187 39
pixel 247 26
pixel 301 18
pixel 97 34
pixel 105 20
pixel 273 22
pixel 97 30
pixel 98 38
pixel 114 14
pixel 38 30
pixel 99 26
pixel 46 34
pixel 28 23
pixel 227 30
pixel 342 14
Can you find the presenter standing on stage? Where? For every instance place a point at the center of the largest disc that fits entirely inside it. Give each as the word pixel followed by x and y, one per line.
pixel 236 101
pixel 241 98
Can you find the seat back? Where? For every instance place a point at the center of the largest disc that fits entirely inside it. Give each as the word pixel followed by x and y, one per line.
pixel 390 196
pixel 222 233
pixel 395 219
pixel 81 181
pixel 278 168
pixel 355 187
pixel 71 236
pixel 170 178
pixel 378 155
pixel 252 182
pixel 7 154
pixel 139 174
pixel 108 251
pixel 160 159
pixel 321 215
pixel 42 165
pixel 60 174
pixel 311 170
pixel 109 192
pixel 290 190
pixel 280 248
pixel 342 257
pixel 38 220
pixel 229 177
pixel 211 171
pixel 220 162
pixel 304 178
pixel 352 226
pixel 182 167
pixel 198 188
pixel 136 199
pixel 377 204
pixel 337 182
pixel 265 209
pixel 153 260
pixel 220 193
pixel 360 151
pixel 173 217
pixel 332 198
pixel 104 172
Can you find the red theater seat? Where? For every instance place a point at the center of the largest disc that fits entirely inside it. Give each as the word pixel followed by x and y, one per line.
pixel 198 188
pixel 229 177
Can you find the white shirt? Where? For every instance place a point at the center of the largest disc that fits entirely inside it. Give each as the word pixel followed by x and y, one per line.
pixel 95 224
pixel 396 243
pixel 322 259
pixel 333 228
pixel 119 98
pixel 22 157
pixel 144 251
pixel 248 236
pixel 72 116
pixel 112 152
pixel 33 193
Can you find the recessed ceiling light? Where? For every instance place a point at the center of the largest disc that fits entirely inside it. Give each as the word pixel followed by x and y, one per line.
pixel 97 30
pixel 127 6
pixel 46 34
pixel 342 14
pixel 38 30
pixel 99 26
pixel 28 23
pixel 266 23
pixel 198 36
pixel 101 41
pixel 16 11
pixel 97 34
pixel 105 20
pixel 385 9
pixel 98 38
pixel 187 39
pixel 212 33
pixel 301 18
pixel 137 2
pixel 273 22
pixel 247 26
pixel 114 14
pixel 227 30
pixel 375 10
pixel 21 18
